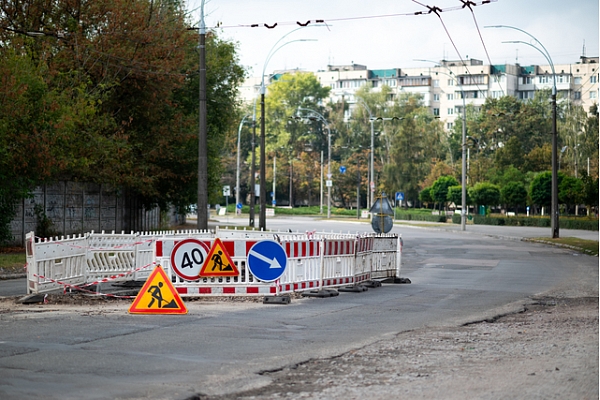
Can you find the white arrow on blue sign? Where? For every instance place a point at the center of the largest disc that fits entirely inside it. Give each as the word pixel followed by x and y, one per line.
pixel 267 260
pixel 399 196
pixel 342 169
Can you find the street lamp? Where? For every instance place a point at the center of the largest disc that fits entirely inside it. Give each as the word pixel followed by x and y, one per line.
pixel 326 123
pixel 463 215
pixel 546 54
pixel 372 159
pixel 237 172
pixel 262 221
pixel 202 192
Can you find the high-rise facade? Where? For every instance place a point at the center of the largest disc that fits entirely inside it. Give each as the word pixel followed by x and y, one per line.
pixel 442 84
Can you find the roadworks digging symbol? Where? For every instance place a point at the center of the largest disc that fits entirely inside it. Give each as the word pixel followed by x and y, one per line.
pixel 218 262
pixel 158 296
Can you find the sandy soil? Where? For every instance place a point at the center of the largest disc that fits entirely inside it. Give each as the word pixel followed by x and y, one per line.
pixel 547 351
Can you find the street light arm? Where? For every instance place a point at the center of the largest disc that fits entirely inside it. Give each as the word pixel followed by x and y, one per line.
pixel 546 56
pixel 271 54
pixel 545 52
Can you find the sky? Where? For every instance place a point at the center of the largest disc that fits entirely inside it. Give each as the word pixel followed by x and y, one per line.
pixel 367 32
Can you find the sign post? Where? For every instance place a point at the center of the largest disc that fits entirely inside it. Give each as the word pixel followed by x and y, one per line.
pixel 399 198
pixel 226 193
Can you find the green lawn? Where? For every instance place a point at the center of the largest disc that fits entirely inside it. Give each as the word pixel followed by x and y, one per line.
pixel 12 262
pixel 585 246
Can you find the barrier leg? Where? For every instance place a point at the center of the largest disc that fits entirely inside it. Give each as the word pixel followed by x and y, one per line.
pixel 354 289
pixel 285 299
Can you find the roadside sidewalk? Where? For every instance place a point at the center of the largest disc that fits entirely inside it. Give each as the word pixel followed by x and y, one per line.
pixel 508 232
pixel 515 232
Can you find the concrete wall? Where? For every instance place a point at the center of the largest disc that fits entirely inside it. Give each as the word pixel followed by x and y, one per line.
pixel 75 207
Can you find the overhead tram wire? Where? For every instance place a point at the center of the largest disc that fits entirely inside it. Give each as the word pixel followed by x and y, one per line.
pixel 436 10
pixel 469 4
pixel 328 20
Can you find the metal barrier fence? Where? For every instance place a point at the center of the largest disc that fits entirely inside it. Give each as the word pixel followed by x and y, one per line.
pixel 315 261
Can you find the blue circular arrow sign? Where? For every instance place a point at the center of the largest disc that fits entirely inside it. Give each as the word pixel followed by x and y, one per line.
pixel 267 260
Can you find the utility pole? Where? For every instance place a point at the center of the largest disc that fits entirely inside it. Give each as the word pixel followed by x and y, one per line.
pixel 202 135
pixel 262 216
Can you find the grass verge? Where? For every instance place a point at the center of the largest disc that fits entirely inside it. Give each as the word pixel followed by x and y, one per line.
pixel 12 263
pixel 589 247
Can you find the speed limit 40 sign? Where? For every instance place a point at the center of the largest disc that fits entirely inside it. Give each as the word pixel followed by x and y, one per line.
pixel 187 258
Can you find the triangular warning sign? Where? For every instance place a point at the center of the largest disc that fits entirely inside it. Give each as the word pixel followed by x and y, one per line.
pixel 218 262
pixel 158 296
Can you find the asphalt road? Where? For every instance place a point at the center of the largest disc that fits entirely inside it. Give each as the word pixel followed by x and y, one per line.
pixel 221 347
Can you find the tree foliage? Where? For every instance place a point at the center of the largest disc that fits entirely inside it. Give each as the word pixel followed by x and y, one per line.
pixel 107 92
pixel 514 194
pixel 485 194
pixel 439 189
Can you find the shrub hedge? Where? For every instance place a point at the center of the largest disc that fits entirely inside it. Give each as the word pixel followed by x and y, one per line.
pixel 421 217
pixel 543 222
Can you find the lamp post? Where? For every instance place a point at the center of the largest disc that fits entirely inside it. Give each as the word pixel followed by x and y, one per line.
pixel 546 54
pixel 326 123
pixel 237 172
pixel 202 222
pixel 463 214
pixel 372 159
pixel 262 222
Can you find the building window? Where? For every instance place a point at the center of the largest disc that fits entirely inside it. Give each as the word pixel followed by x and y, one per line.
pixel 544 79
pixel 474 80
pixel 594 79
pixel 449 125
pixel 436 97
pixel 450 111
pixel 450 82
pixel 436 83
pixel 496 94
pixel 577 80
pixel 593 95
pixel 526 94
pixel 526 80
pixel 576 95
pixel 436 111
pixel 450 96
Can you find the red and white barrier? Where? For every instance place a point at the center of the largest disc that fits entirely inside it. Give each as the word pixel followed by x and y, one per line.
pixel 314 260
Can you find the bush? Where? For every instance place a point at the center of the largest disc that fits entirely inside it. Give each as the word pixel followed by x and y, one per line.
pixel 543 222
pixel 421 217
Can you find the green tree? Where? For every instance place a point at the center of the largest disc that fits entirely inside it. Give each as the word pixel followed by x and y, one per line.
pixel 295 132
pixel 425 196
pixel 110 94
pixel 455 195
pixel 439 189
pixel 485 194
pixel 570 191
pixel 590 191
pixel 541 188
pixel 514 194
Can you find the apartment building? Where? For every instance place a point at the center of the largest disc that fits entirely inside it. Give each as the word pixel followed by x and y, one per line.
pixel 442 85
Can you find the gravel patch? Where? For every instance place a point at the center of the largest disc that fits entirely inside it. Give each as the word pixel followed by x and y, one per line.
pixel 548 351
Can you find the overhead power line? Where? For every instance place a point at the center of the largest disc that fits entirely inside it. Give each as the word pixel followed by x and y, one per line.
pixel 432 9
